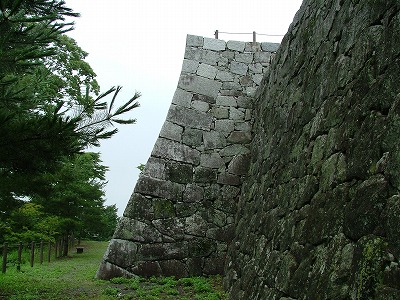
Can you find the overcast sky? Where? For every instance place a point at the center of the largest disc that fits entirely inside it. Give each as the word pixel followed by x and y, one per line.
pixel 140 45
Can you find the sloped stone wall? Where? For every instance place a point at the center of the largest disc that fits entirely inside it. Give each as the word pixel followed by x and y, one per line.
pixel 319 216
pixel 179 220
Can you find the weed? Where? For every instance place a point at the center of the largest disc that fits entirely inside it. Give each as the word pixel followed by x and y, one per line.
pixel 73 278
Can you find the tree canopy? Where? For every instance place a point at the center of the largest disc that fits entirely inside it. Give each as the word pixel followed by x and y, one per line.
pixel 51 110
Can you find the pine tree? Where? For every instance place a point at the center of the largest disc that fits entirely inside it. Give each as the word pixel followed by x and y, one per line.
pixel 46 112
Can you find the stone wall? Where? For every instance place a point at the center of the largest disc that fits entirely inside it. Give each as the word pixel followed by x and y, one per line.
pixel 179 220
pixel 319 216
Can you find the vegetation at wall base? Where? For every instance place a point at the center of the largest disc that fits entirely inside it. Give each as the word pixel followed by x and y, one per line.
pixel 72 277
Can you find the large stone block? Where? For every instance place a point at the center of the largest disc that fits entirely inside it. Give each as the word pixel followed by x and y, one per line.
pixel 171 131
pixel 200 85
pixel 270 47
pixel 239 165
pixel 236 46
pixel 214 44
pixel 211 160
pixel 189 66
pixel 178 172
pixel 159 188
pixel 213 140
pixel 189 117
pixel 194 40
pixel 239 68
pixel 207 71
pixel 192 137
pixel 172 150
pixel 182 98
pixel 246 58
pixel 136 231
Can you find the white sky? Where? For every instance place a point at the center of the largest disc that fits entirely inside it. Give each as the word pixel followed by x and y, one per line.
pixel 140 45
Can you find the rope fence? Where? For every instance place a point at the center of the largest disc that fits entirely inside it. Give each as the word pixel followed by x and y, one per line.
pixel 17 254
pixel 217 32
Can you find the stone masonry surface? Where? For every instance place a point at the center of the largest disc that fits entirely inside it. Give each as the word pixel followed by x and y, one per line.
pixel 319 212
pixel 180 218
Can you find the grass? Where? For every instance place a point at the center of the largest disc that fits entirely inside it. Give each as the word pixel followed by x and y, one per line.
pixel 73 278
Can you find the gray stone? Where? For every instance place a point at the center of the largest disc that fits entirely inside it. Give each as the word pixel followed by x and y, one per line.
pixel 224 126
pixel 194 40
pixel 205 175
pixel 193 193
pixel 236 114
pixel 155 168
pixel 207 71
pixel 239 165
pixel 220 112
pixel 226 101
pixel 199 85
pixel 192 137
pixel 159 188
pixel 252 47
pixel 262 57
pixel 235 149
pixel 222 61
pixel 203 98
pixel 196 225
pixel 238 68
pixel 243 126
pixel 213 140
pixel 270 47
pixel 214 44
pixel 195 54
pixel 246 58
pixel 239 137
pixel 201 106
pixel 256 68
pixel 189 117
pixel 228 55
pixel 224 76
pixel 251 91
pixel 248 114
pixel 178 172
pixel 189 66
pixel 235 46
pixel 257 78
pixel 230 179
pixel 136 231
pixel 244 102
pixel 182 98
pixel 171 131
pixel 211 160
pixel 121 252
pixel 235 86
pixel 173 227
pixel 172 150
pixel 246 81
pixel 210 57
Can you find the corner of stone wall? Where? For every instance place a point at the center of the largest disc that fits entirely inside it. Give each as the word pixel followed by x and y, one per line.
pixel 180 218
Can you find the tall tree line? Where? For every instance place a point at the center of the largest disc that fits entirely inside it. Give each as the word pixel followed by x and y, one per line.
pixel 51 111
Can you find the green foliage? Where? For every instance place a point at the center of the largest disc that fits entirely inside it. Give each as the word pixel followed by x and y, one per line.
pixel 72 202
pixel 51 109
pixel 371 269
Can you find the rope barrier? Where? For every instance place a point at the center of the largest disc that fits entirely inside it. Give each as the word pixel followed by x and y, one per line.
pixel 245 33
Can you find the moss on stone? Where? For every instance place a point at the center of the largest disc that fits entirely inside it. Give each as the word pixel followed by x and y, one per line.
pixel 370 274
pixel 163 209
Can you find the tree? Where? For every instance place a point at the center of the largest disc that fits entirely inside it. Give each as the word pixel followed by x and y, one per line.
pixel 51 110
pixel 50 106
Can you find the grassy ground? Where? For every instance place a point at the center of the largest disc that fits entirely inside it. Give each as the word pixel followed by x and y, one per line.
pixel 73 278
